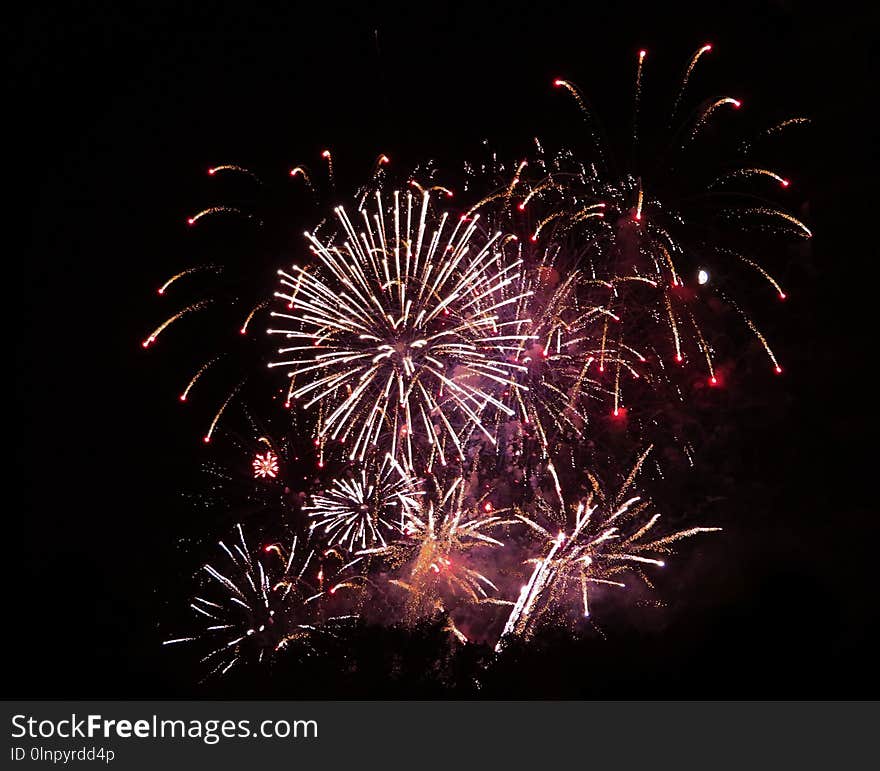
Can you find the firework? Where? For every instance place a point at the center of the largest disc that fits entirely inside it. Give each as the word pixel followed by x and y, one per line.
pixel 646 239
pixel 253 603
pixel 397 334
pixel 265 465
pixel 597 542
pixel 260 469
pixel 362 511
pixel 437 558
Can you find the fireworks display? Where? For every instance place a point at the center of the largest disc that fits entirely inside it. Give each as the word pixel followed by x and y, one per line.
pixel 456 379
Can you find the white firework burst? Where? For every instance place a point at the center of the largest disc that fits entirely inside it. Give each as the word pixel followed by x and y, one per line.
pixel 364 511
pixel 257 603
pixel 396 332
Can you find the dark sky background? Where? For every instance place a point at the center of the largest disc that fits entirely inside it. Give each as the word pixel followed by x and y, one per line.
pixel 122 106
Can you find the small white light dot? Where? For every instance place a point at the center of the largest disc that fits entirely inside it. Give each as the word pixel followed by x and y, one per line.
pixel 703 277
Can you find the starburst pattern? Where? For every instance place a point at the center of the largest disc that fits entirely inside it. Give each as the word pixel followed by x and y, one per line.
pixel 265 465
pixel 255 603
pixel 397 333
pixel 363 511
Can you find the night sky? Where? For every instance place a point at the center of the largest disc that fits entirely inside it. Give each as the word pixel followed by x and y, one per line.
pixel 122 107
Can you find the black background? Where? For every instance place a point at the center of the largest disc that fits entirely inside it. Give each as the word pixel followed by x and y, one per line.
pixel 122 106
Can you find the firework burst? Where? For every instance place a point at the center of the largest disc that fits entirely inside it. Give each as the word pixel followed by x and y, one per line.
pixel 265 465
pixel 253 603
pixel 397 336
pixel 596 542
pixel 437 558
pixel 362 511
pixel 661 244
